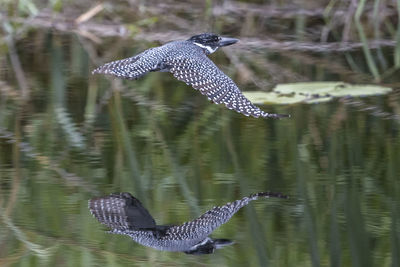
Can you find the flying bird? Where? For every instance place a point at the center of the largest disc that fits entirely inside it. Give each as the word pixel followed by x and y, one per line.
pixel 188 62
pixel 125 215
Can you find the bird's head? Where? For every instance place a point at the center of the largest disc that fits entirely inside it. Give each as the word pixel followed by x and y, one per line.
pixel 211 42
pixel 209 245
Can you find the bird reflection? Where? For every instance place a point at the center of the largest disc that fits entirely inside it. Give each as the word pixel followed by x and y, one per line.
pixel 125 215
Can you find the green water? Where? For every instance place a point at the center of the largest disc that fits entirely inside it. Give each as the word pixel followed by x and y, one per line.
pixel 79 136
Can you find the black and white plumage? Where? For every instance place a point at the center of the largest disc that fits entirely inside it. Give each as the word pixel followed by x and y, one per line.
pixel 188 62
pixel 125 215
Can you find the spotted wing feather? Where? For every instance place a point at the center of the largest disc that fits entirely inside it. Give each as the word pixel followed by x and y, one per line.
pixel 134 67
pixel 203 75
pixel 121 211
pixel 217 216
pixel 191 237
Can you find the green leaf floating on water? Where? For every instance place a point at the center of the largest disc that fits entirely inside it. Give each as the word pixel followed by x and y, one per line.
pixel 313 92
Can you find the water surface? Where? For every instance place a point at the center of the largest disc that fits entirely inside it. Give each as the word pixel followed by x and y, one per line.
pixel 79 136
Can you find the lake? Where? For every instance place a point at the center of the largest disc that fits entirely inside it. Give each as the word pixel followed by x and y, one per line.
pixel 76 136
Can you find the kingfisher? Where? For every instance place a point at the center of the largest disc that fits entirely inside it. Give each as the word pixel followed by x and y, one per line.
pixel 125 215
pixel 188 62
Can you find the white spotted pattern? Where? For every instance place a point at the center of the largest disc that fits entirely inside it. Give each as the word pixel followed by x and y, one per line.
pixel 189 63
pixel 184 237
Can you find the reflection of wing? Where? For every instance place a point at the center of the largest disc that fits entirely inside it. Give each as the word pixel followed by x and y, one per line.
pixel 217 216
pixel 125 215
pixel 121 211
pixel 203 75
pixel 133 67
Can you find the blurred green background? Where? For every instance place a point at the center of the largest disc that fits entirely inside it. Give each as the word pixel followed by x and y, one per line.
pixel 67 136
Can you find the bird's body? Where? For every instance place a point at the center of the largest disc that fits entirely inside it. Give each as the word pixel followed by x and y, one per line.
pixel 125 215
pixel 188 62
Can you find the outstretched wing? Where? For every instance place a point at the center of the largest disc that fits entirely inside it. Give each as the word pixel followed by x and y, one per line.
pixel 203 75
pixel 217 216
pixel 121 211
pixel 133 67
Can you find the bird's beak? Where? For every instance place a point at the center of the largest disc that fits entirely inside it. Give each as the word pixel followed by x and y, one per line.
pixel 220 243
pixel 227 41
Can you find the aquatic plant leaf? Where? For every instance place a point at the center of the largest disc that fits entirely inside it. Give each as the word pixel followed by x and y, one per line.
pixel 337 89
pixel 313 92
pixel 258 97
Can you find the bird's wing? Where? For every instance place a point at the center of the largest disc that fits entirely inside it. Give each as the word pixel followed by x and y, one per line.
pixel 203 75
pixel 217 216
pixel 121 211
pixel 132 67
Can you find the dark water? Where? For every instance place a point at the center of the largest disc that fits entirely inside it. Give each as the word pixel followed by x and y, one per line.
pixel 79 136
